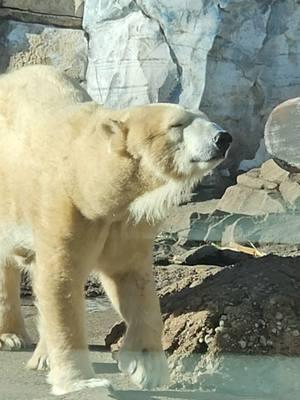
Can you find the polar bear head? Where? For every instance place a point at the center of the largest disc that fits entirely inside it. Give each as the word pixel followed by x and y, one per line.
pixel 173 142
pixel 174 146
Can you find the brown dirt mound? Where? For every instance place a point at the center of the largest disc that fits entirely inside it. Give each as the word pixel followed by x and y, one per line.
pixel 252 308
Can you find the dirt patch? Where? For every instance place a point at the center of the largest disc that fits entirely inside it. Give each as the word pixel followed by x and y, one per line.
pixel 250 308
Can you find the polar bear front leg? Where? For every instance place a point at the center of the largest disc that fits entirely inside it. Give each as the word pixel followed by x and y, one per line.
pixel 39 359
pixel 141 356
pixel 59 287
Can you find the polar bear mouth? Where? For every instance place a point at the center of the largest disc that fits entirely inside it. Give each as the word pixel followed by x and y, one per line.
pixel 217 157
pixel 196 160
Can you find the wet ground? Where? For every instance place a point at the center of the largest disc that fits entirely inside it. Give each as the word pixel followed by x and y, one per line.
pixel 236 377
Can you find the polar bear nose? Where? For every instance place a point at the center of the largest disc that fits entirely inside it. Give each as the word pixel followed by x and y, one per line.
pixel 223 140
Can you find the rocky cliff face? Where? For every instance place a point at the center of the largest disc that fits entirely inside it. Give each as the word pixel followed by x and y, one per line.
pixel 43 32
pixel 234 59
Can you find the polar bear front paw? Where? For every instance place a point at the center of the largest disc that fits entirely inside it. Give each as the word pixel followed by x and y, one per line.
pixel 147 369
pixel 38 361
pixel 12 341
pixel 69 387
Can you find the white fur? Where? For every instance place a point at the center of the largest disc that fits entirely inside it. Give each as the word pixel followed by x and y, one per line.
pixel 154 205
pixel 182 160
pixel 11 341
pixel 80 385
pixel 39 359
pixel 14 236
pixel 74 374
pixel 147 369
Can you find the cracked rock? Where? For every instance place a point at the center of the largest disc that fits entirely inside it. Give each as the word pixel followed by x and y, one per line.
pixel 22 44
pixel 129 61
pixel 249 201
pixel 263 207
pixel 271 171
pixel 63 13
pixel 72 8
pixel 236 60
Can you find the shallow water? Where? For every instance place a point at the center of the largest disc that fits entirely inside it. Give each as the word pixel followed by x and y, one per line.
pixel 254 377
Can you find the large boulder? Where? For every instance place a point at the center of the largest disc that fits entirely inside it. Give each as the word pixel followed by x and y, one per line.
pixel 282 134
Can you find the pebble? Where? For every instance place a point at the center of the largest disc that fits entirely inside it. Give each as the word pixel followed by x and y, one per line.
pixel 243 344
pixel 263 341
pixel 295 333
pixel 279 316
pixel 208 339
pixel 220 329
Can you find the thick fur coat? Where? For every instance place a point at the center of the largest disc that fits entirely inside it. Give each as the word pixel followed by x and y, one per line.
pixel 83 188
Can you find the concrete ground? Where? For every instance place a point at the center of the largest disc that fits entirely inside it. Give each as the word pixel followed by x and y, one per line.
pixel 17 383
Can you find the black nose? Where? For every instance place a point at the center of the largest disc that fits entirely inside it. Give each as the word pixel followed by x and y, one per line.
pixel 223 141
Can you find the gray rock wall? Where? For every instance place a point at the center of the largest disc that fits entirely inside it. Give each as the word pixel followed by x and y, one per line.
pixel 43 32
pixel 67 13
pixel 26 43
pixel 235 59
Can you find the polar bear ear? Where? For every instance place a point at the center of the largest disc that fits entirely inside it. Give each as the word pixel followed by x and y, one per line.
pixel 113 127
pixel 117 132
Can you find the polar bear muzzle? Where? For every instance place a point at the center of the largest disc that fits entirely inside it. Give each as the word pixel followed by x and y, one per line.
pixel 218 150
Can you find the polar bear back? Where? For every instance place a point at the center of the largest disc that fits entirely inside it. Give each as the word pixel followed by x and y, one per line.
pixel 49 85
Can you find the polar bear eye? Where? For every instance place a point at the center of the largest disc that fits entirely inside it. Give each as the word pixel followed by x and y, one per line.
pixel 179 125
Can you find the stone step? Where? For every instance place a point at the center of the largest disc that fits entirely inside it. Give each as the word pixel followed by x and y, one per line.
pixel 64 13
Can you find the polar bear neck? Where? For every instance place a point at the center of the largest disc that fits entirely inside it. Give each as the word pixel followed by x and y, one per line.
pixel 155 205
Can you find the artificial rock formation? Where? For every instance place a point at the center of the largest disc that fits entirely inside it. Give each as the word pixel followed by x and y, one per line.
pixel 66 13
pixel 26 43
pixel 234 59
pixel 282 134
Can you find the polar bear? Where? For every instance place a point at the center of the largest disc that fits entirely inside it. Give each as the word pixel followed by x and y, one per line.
pixel 83 188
